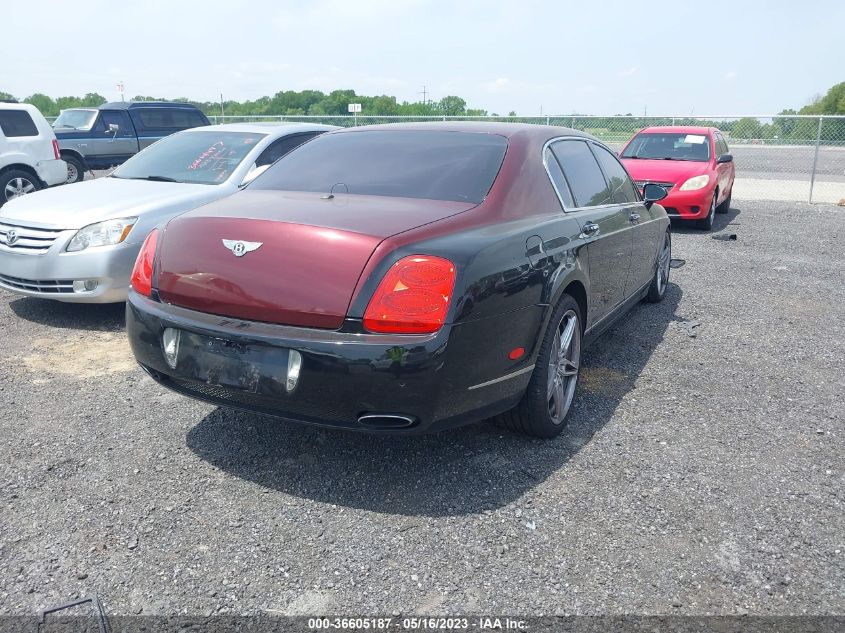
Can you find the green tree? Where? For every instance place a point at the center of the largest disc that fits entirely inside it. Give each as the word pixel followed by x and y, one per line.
pixel 5 96
pixel 831 103
pixel 286 102
pixel 92 100
pixel 44 103
pixel 746 128
pixel 452 106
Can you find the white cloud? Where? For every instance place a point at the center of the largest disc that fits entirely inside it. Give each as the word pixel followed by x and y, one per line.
pixel 731 75
pixel 341 15
pixel 498 85
pixel 629 72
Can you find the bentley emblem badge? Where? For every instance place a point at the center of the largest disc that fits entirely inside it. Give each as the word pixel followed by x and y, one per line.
pixel 239 248
pixel 11 237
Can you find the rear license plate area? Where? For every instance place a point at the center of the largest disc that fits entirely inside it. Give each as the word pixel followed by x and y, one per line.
pixel 251 368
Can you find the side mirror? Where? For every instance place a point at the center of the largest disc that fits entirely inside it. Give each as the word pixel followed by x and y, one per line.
pixel 725 158
pixel 113 128
pixel 653 193
pixel 253 173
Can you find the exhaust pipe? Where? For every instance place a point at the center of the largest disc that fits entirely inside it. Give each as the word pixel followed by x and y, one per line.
pixel 386 420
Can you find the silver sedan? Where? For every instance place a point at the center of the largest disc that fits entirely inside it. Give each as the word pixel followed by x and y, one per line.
pixel 79 242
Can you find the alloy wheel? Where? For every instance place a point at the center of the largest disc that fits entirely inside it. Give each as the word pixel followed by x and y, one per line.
pixel 72 173
pixel 564 360
pixel 17 187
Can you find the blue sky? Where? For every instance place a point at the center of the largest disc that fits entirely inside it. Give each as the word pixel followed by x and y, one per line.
pixel 590 57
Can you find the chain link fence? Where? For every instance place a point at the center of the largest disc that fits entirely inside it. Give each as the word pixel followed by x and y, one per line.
pixel 777 157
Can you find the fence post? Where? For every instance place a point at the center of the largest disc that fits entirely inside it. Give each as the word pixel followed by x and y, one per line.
pixel 816 158
pixel 547 120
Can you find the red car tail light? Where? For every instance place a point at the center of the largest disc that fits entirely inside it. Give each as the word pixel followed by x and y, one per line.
pixel 142 274
pixel 413 297
pixel 56 149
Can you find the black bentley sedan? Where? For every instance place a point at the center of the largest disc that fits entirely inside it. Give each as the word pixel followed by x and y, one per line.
pixel 403 278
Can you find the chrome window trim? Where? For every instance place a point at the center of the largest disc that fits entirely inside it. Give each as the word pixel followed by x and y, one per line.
pixel 514 374
pixel 584 139
pixel 616 158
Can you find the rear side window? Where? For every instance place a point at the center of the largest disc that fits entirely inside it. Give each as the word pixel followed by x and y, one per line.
pixel 153 118
pixel 184 119
pixel 17 123
pixel 622 190
pixel 456 166
pixel 169 118
pixel 279 148
pixel 582 172
pixel 558 179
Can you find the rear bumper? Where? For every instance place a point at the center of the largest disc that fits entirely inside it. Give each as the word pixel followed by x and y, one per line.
pixel 688 205
pixel 435 381
pixel 52 172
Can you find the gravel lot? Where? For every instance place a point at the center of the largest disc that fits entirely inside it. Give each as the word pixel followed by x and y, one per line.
pixel 702 471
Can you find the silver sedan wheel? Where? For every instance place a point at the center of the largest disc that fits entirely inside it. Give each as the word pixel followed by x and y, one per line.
pixel 17 187
pixel 663 261
pixel 563 366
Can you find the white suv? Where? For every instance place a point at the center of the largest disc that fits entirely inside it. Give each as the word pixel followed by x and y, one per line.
pixel 29 152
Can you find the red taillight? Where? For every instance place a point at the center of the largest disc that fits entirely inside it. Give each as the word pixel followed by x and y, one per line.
pixel 142 274
pixel 56 149
pixel 413 297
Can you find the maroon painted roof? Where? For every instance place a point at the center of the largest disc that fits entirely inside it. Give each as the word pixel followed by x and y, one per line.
pixel 509 130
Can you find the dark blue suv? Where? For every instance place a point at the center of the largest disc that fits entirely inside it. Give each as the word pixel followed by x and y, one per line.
pixel 99 138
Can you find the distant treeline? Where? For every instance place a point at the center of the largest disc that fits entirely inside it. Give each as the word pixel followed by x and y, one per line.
pixel 317 103
pixel 288 103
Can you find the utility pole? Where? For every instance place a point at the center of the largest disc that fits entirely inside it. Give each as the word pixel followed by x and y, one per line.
pixel 222 113
pixel 424 93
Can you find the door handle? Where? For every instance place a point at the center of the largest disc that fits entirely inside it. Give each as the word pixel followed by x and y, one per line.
pixel 589 230
pixel 635 217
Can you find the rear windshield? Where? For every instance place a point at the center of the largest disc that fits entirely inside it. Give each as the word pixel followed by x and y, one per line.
pixel 455 166
pixel 666 146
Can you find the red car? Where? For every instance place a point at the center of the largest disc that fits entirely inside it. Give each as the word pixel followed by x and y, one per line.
pixel 693 165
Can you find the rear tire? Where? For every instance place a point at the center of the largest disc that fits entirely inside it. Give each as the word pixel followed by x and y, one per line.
pixel 15 183
pixel 75 169
pixel 705 224
pixel 548 399
pixel 660 281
